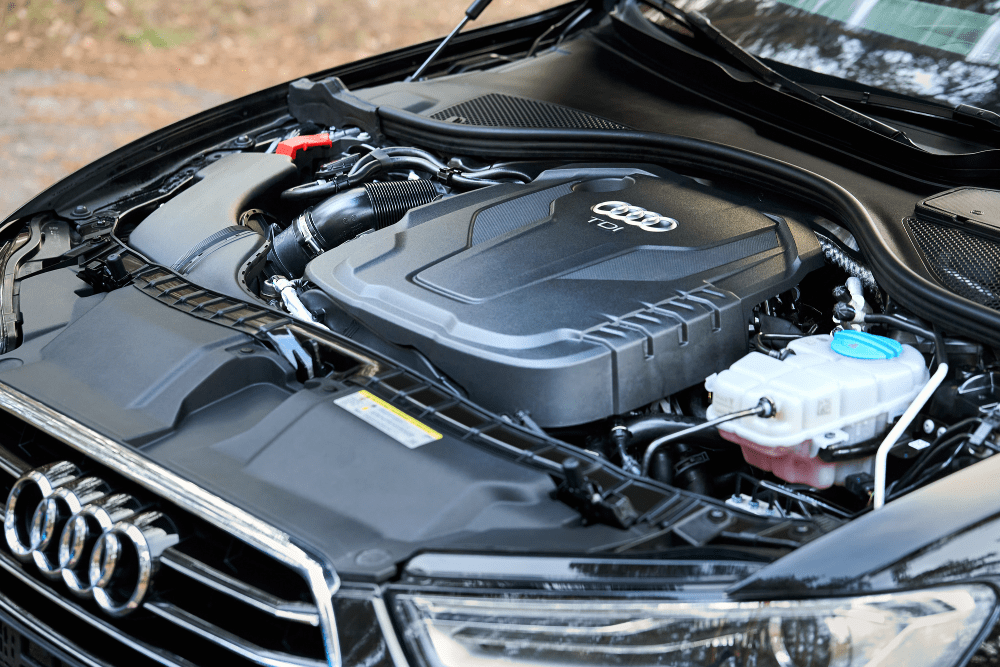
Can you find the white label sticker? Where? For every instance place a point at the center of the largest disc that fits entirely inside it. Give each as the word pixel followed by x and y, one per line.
pixel 390 420
pixel 919 444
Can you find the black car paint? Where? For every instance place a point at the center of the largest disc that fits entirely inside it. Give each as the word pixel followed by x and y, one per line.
pixel 945 533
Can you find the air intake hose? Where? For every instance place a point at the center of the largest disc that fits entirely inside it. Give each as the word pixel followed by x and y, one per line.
pixel 344 216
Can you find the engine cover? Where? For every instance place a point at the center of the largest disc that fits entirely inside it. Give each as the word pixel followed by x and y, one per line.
pixel 556 299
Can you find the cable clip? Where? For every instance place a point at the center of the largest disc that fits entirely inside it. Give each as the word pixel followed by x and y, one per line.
pixel 445 175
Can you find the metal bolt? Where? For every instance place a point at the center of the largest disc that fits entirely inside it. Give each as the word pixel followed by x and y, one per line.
pixel 246 350
pixel 830 436
pixel 802 529
pixel 330 388
pixel 928 426
pixel 941 431
pixel 717 516
pixel 102 222
pixel 81 210
pixel 754 504
pixel 737 499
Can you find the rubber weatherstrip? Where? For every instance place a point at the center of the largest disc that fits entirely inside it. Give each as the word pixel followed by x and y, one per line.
pixel 905 285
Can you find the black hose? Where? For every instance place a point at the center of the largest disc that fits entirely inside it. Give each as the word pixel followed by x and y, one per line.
pixel 382 163
pixel 466 183
pixel 406 157
pixel 315 190
pixel 410 151
pixel 499 172
pixel 363 170
pixel 940 349
pixel 900 323
pixel 344 216
pixel 360 164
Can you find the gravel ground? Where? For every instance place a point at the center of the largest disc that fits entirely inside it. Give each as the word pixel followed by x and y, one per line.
pixel 55 122
pixel 79 79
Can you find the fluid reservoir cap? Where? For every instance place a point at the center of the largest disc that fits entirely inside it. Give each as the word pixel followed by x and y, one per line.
pixel 861 345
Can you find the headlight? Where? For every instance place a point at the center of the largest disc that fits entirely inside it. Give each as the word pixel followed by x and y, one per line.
pixel 916 629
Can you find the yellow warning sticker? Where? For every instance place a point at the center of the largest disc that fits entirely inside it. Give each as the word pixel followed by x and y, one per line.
pixel 390 420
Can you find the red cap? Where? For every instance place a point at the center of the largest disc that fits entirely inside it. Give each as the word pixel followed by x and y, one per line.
pixel 292 146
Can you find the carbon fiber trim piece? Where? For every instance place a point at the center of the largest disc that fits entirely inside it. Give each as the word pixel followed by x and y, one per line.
pixel 967 264
pixel 495 110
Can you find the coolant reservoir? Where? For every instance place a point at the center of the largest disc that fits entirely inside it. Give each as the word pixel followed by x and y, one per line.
pixel 832 393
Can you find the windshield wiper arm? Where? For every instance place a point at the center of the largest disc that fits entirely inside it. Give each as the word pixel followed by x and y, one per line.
pixel 963 113
pixel 702 26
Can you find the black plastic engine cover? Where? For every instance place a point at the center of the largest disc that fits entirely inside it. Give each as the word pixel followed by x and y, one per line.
pixel 532 301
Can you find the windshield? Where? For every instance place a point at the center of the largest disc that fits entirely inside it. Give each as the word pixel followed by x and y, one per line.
pixel 943 51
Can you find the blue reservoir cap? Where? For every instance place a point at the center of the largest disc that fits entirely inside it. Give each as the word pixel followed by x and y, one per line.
pixel 861 345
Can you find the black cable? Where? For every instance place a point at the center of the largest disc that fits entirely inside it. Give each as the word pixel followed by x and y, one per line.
pixel 940 350
pixel 943 441
pixel 930 474
pixel 553 27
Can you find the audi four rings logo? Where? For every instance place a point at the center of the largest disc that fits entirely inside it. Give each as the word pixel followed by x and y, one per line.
pixel 101 544
pixel 621 211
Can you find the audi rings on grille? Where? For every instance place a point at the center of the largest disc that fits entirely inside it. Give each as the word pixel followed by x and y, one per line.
pixel 100 543
pixel 635 215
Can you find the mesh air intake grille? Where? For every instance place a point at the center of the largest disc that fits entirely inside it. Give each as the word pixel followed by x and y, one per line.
pixel 967 264
pixel 495 110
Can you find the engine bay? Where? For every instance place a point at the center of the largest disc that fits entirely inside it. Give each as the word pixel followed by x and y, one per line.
pixel 686 329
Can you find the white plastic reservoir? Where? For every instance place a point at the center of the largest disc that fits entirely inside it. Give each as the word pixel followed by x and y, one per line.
pixel 834 390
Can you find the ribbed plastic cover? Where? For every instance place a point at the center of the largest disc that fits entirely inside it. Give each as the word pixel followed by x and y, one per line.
pixel 531 301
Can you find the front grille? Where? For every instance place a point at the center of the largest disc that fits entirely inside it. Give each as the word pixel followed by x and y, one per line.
pixel 215 599
pixel 965 263
pixel 496 110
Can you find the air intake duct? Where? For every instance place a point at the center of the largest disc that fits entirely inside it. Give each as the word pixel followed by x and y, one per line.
pixel 344 216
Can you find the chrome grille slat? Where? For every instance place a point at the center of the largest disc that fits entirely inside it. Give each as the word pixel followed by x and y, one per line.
pixel 222 520
pixel 228 640
pixel 14 612
pixel 298 612
pixel 156 654
pixel 12 464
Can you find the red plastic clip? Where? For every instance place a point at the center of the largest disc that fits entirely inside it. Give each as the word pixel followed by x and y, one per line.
pixel 291 147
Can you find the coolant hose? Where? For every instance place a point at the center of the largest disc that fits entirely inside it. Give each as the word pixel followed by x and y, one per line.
pixel 882 455
pixel 344 216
